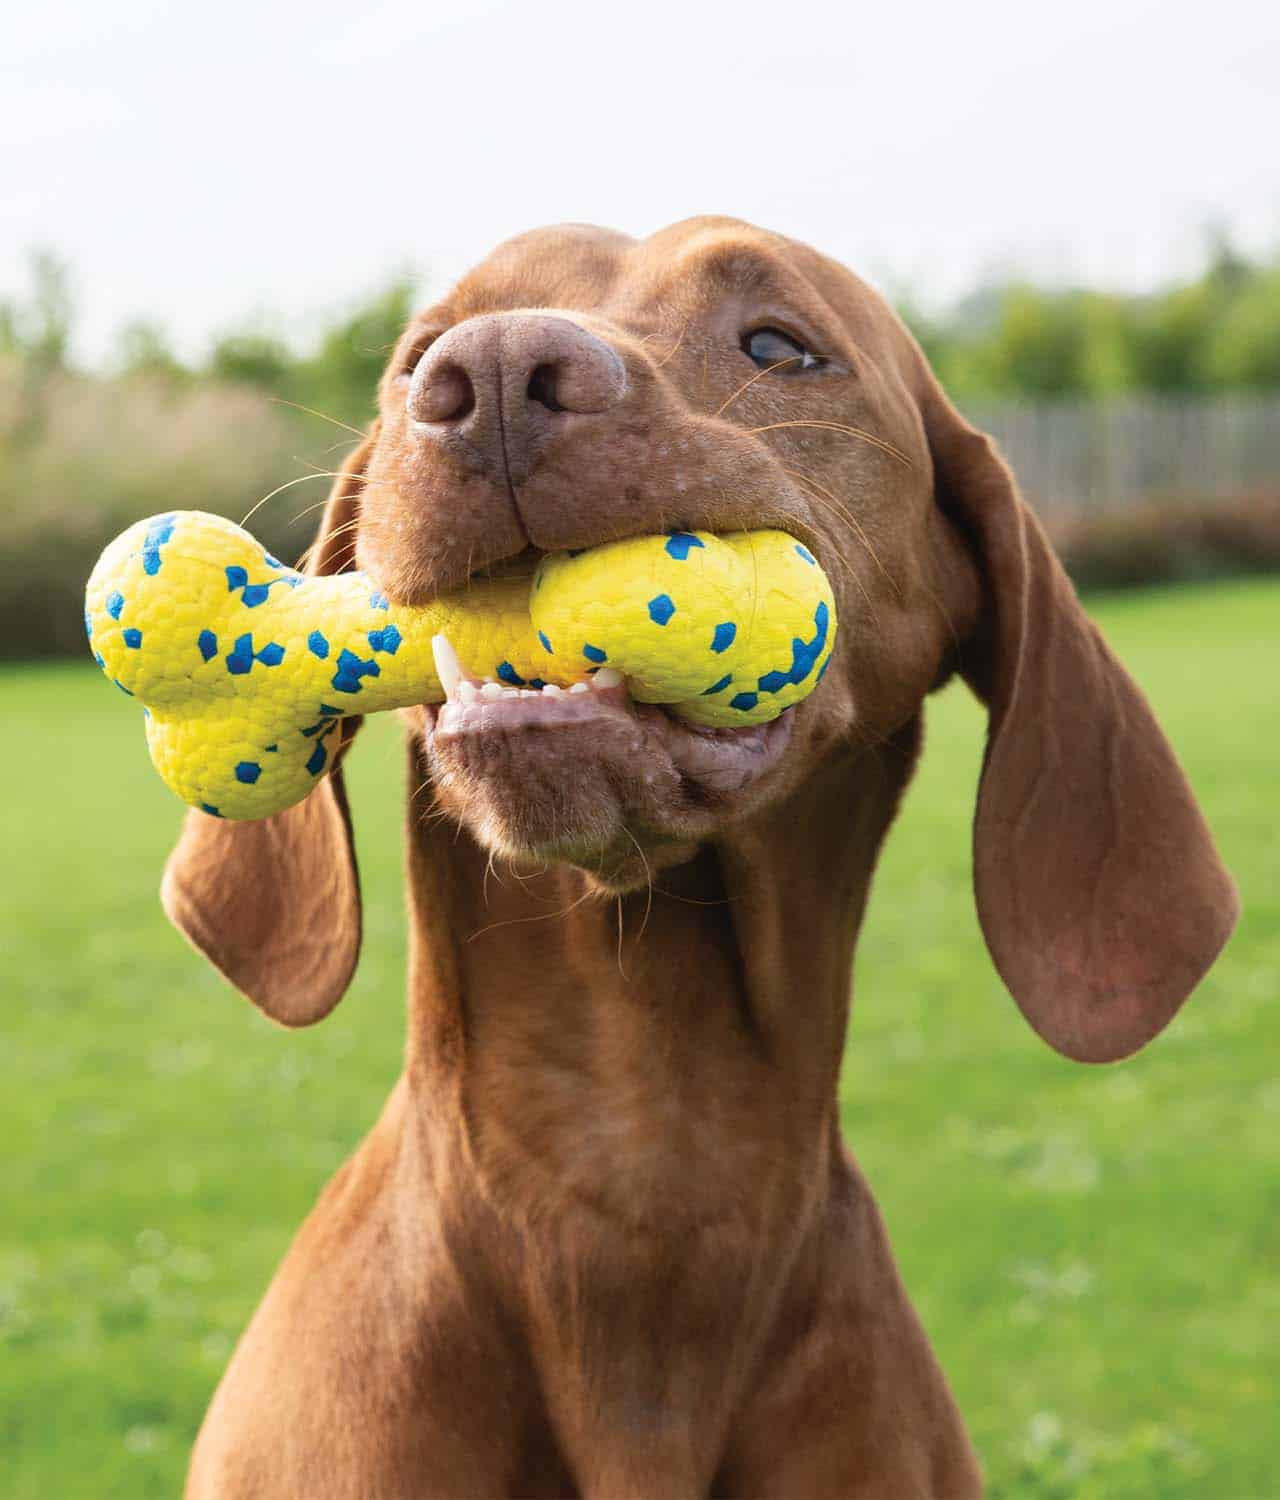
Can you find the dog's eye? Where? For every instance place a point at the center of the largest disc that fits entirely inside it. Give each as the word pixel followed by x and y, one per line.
pixel 772 349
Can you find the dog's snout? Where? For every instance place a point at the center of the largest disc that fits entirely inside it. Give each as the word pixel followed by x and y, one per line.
pixel 495 387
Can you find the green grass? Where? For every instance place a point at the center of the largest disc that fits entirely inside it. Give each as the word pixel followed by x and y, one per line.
pixel 1095 1252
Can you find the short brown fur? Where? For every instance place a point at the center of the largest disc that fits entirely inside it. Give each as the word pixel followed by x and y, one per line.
pixel 605 1240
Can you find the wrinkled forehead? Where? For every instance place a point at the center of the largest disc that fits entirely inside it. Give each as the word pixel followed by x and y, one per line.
pixel 677 272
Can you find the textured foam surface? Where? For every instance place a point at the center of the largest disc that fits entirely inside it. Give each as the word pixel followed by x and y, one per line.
pixel 244 667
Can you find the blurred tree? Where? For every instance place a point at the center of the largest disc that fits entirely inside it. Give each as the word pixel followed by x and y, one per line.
pixel 1242 348
pixel 341 378
pixel 143 350
pixel 1053 344
pixel 37 328
pixel 48 331
pixel 1169 334
pixel 255 359
pixel 35 341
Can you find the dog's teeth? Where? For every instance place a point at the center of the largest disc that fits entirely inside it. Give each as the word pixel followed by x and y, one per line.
pixel 468 692
pixel 530 693
pixel 491 689
pixel 579 687
pixel 552 690
pixel 448 667
pixel 607 677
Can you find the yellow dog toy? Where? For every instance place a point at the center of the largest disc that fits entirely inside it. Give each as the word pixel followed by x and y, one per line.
pixel 244 667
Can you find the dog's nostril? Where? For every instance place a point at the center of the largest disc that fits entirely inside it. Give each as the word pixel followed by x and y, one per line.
pixel 446 394
pixel 542 388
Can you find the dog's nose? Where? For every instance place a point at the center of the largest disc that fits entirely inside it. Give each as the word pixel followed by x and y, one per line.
pixel 496 389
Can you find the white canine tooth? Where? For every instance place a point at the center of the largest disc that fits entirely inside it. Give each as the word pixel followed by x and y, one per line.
pixel 607 677
pixel 448 667
pixel 552 690
pixel 490 689
pixel 468 692
pixel 509 692
pixel 579 687
pixel 530 693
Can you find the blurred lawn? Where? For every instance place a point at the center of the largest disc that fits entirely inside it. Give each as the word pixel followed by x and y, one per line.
pixel 1096 1253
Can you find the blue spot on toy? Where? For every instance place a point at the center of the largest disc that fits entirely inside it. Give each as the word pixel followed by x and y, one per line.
pixel 387 639
pixel 351 669
pixel 661 608
pixel 679 543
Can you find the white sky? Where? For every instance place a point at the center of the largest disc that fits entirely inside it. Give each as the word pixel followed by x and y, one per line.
pixel 200 163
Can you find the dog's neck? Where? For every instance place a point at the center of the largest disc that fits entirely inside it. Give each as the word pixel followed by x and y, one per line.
pixel 605 1048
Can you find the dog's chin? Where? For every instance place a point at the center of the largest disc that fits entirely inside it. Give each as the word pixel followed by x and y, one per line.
pixel 592 778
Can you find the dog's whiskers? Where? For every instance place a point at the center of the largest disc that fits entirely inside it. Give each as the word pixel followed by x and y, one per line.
pixel 541 916
pixel 344 529
pixel 675 348
pixel 846 515
pixel 312 412
pixel 759 375
pixel 490 868
pixel 648 880
pixel 621 970
pixel 287 485
pixel 884 445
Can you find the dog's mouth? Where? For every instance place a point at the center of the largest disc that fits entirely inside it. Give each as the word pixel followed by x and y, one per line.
pixel 711 760
pixel 562 772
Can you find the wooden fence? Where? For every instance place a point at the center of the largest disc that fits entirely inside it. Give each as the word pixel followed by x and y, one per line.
pixel 1083 455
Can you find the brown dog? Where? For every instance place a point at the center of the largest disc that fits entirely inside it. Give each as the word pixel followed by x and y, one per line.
pixel 605 1240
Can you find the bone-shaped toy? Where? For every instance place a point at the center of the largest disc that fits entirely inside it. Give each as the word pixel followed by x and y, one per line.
pixel 245 667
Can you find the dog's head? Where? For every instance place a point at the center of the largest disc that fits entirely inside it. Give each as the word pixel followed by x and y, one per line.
pixel 578 387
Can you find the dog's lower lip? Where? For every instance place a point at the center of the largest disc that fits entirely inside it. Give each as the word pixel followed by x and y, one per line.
pixel 714 760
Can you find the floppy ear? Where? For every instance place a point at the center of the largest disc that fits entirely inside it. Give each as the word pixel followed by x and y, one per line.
pixel 274 904
pixel 1101 896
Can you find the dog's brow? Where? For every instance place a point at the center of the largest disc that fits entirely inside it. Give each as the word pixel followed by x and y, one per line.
pixel 736 267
